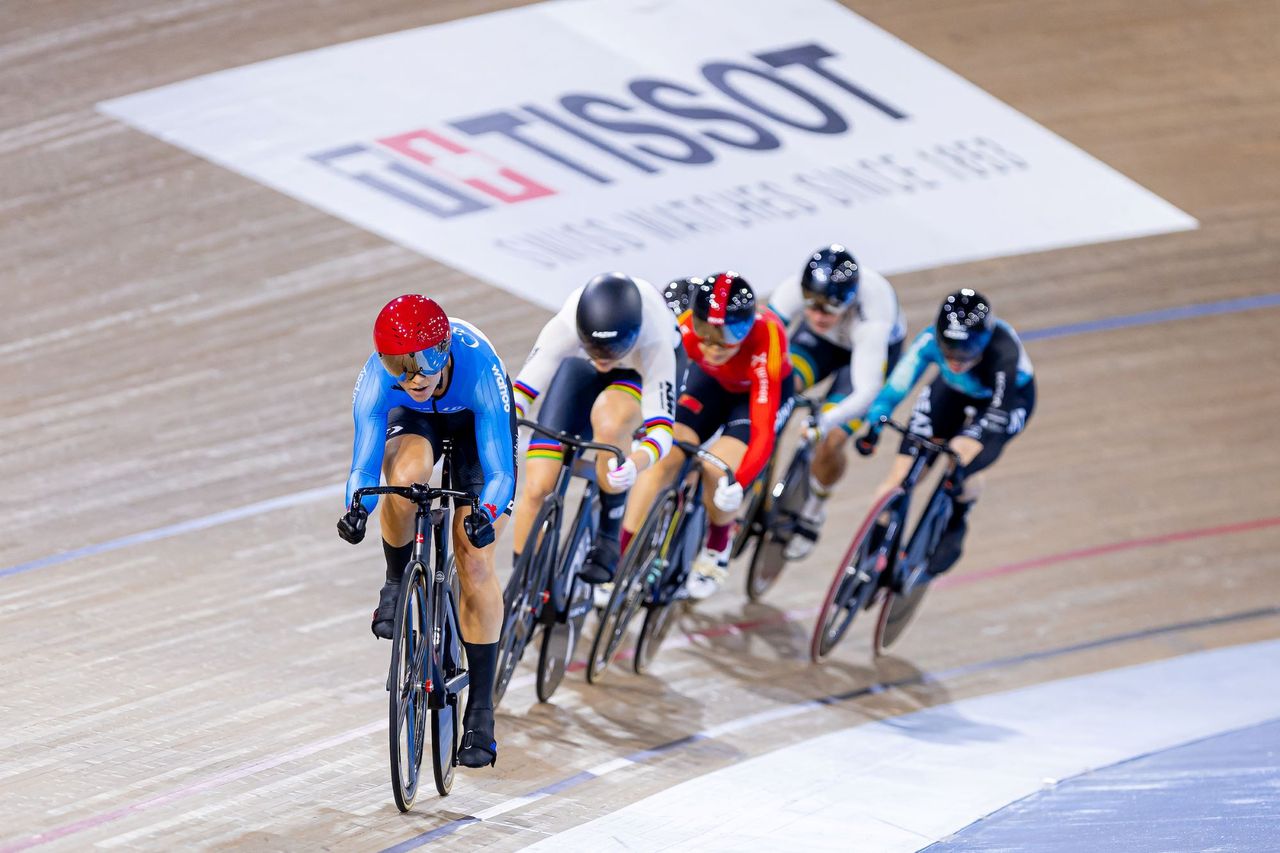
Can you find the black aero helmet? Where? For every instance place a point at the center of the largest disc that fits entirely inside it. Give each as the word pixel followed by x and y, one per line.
pixel 964 325
pixel 679 294
pixel 724 309
pixel 609 315
pixel 831 277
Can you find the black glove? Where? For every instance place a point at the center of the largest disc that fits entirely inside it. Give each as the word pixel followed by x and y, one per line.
pixel 866 443
pixel 479 529
pixel 351 525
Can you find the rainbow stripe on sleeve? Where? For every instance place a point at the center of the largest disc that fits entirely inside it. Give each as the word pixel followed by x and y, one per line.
pixel 632 388
pixel 651 444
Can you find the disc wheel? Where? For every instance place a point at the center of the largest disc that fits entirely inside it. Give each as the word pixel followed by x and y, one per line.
pixel 767 563
pixel 560 641
pixel 855 581
pixel 407 687
pixel 446 726
pixel 896 614
pixel 658 621
pixel 636 572
pixel 524 596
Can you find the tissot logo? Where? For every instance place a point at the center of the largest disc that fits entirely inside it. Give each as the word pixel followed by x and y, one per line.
pixel 793 88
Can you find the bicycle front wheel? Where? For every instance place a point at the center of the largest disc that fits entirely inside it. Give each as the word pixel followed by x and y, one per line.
pixel 636 574
pixel 410 643
pixel 524 595
pixel 856 578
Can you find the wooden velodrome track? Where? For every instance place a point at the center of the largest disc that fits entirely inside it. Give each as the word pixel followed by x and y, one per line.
pixel 178 341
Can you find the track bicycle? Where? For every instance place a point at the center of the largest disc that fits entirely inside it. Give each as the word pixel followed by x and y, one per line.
pixel 428 672
pixel 652 573
pixel 773 512
pixel 544 588
pixel 876 568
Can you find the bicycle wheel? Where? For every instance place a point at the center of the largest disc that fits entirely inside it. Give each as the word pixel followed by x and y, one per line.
pixel 912 576
pixel 524 595
pixel 769 558
pixel 560 638
pixel 634 577
pixel 446 710
pixel 665 608
pixel 408 700
pixel 857 577
pixel 752 524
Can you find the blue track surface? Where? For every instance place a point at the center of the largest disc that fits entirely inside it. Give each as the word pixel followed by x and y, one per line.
pixel 1221 793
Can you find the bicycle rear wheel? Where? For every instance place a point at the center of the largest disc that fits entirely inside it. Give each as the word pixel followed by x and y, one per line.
pixel 634 577
pixel 857 577
pixel 407 686
pixel 446 710
pixel 524 595
pixel 560 638
pixel 769 558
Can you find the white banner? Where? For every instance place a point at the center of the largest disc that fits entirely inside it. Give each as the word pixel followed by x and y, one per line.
pixel 538 146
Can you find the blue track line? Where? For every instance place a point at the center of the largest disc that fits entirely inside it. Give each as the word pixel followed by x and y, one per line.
pixel 1106 324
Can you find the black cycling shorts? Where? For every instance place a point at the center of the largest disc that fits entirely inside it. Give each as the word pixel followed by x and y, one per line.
pixel 566 407
pixel 705 406
pixel 465 470
pixel 939 412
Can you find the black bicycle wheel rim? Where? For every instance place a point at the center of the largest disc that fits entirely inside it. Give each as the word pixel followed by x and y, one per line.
pixel 627 590
pixel 896 615
pixel 408 699
pixel 522 604
pixel 445 719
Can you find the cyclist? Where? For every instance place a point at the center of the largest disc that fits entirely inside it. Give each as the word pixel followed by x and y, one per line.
pixel 981 365
pixel 850 325
pixel 607 361
pixel 432 378
pixel 737 381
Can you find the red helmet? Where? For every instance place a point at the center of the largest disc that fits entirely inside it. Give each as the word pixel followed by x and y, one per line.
pixel 411 336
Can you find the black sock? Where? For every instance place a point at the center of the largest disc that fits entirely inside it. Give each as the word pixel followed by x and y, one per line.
pixel 959 509
pixel 611 507
pixel 482 661
pixel 398 557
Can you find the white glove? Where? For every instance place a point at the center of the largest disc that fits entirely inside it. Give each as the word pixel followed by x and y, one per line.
pixel 623 477
pixel 728 495
pixel 814 432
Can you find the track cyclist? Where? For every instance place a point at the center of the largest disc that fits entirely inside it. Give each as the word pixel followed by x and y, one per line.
pixel 850 325
pixel 738 378
pixel 982 366
pixel 432 378
pixel 607 362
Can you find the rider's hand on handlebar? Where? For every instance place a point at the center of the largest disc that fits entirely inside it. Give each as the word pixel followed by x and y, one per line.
pixel 624 476
pixel 479 529
pixel 351 526
pixel 866 443
pixel 728 496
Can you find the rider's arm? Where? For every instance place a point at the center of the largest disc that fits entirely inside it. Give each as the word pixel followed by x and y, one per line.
pixel 904 376
pixel 766 397
pixel 787 301
pixel 1004 353
pixel 557 341
pixel 657 402
pixel 369 411
pixel 494 441
pixel 870 357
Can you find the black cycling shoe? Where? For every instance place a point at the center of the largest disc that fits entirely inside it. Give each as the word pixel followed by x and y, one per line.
pixel 601 560
pixel 384 618
pixel 478 747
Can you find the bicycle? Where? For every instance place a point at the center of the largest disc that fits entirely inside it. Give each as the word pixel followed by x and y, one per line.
pixel 773 514
pixel 653 571
pixel 427 671
pixel 875 561
pixel 544 587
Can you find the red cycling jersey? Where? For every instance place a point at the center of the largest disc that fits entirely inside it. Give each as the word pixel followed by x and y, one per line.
pixel 757 368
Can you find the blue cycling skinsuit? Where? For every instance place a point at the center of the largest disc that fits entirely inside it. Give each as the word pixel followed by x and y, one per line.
pixel 476 410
